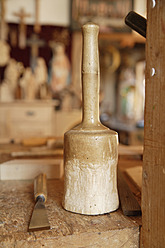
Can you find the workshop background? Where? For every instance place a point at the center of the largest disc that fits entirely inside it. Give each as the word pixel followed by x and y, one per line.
pixel 41 65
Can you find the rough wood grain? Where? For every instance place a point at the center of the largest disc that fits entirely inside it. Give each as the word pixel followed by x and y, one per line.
pixel 153 185
pixel 67 229
pixel 135 174
pixel 130 150
pixel 129 204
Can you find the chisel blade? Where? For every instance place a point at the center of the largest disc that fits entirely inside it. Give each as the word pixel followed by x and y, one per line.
pixel 39 219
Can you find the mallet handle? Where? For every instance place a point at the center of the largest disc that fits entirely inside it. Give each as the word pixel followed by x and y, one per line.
pixel 90 74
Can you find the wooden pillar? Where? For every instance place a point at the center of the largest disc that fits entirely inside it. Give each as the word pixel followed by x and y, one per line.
pixel 153 189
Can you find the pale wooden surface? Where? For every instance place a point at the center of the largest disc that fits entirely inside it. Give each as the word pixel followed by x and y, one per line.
pixel 135 174
pixel 129 204
pixel 26 148
pixel 20 119
pixel 24 119
pixel 153 186
pixel 65 120
pixel 25 169
pixel 128 162
pixel 130 150
pixel 67 229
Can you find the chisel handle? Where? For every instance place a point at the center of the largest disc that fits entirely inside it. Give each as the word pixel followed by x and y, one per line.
pixel 40 187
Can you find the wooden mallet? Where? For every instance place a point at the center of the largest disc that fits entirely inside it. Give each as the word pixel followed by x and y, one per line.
pixel 90 149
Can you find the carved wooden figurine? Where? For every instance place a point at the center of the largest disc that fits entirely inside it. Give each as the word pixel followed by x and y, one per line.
pixel 90 149
pixel 60 68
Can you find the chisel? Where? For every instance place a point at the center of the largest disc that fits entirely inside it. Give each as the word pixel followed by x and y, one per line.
pixel 39 219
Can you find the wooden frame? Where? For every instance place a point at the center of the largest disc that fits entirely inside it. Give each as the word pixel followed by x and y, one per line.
pixel 109 14
pixel 153 186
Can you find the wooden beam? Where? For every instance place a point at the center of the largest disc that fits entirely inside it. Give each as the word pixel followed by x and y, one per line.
pixel 129 204
pixel 37 26
pixel 153 185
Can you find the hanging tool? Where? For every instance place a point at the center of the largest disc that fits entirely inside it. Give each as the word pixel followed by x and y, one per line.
pixel 136 22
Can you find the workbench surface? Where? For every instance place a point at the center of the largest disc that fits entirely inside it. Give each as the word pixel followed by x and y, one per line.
pixel 67 229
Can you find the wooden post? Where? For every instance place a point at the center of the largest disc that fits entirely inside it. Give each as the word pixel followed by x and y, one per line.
pixel 4 47
pixel 37 27
pixel 3 24
pixel 153 187
pixel 22 27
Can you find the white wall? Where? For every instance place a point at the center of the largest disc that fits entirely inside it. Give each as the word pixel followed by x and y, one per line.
pixel 140 6
pixel 51 12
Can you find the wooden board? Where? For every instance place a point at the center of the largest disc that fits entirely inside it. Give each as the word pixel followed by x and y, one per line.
pixel 135 174
pixel 68 230
pixel 153 188
pixel 130 150
pixel 123 163
pixel 37 153
pixel 129 204
pixel 25 169
pixel 25 119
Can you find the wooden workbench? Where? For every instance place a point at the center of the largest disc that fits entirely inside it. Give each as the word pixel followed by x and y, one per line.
pixel 67 229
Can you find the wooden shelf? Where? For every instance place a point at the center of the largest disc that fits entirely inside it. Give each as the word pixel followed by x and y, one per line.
pixel 22 119
pixel 125 39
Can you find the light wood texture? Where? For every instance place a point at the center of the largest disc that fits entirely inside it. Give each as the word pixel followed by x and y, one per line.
pixel 23 119
pixel 76 61
pixel 35 141
pixel 25 169
pixel 130 150
pixel 37 153
pixel 125 39
pixel 65 120
pixel 126 162
pixel 3 24
pixel 68 230
pixel 4 47
pixel 129 204
pixel 153 185
pixel 37 26
pixel 135 174
pixel 49 142
pixel 40 186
